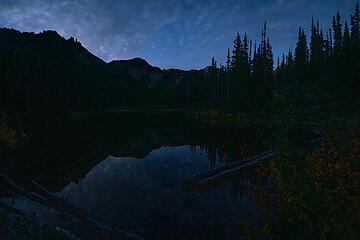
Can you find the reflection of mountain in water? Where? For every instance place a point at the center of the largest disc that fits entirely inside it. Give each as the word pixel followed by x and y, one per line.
pixel 64 150
pixel 140 189
pixel 146 195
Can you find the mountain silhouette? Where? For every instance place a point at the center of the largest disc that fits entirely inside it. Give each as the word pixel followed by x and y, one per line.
pixel 45 72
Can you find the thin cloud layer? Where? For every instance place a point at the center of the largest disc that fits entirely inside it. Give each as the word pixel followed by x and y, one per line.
pixel 168 33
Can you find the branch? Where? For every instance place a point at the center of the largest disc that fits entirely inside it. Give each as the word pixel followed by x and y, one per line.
pixel 11 209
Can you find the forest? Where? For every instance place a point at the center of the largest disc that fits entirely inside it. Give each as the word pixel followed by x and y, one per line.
pixel 316 191
pixel 321 72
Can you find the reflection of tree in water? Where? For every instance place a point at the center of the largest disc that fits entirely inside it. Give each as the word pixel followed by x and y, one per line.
pixel 60 151
pixel 226 149
pixel 224 146
pixel 239 181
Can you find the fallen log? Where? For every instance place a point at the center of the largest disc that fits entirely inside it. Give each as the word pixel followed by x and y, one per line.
pixel 14 188
pixel 98 230
pixel 227 175
pixel 223 175
pixel 316 140
pixel 58 202
pixel 51 200
pixel 194 180
pixel 240 176
pixel 102 232
pixel 318 130
pixel 11 209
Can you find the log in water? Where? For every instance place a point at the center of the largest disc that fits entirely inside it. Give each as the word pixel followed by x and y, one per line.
pixel 46 198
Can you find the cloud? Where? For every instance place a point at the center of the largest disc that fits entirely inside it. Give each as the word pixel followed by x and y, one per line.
pixel 110 29
pixel 126 28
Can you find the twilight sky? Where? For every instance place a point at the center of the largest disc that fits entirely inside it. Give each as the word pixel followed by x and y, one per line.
pixel 170 33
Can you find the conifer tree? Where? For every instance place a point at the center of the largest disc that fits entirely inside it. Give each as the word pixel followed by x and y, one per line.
pixel 228 61
pixel 213 81
pixel 301 50
pixel 301 67
pixel 337 35
pixel 301 58
pixel 355 51
pixel 346 60
pixel 237 47
pixel 290 59
pixel 283 61
pixel 355 23
pixel 236 72
pixel 316 54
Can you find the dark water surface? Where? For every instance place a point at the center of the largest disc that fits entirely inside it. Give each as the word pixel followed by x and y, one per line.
pixel 145 195
pixel 126 170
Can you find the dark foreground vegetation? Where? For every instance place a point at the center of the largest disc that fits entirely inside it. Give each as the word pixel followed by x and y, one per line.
pixel 317 190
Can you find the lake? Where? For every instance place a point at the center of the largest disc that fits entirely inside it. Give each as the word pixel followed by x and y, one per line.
pixel 126 170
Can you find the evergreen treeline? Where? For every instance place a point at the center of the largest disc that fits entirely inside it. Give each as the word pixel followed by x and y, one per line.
pixel 321 70
pixel 329 69
pixel 44 72
pixel 245 81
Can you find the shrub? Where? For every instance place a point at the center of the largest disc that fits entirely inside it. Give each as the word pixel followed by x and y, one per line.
pixel 317 195
pixel 8 137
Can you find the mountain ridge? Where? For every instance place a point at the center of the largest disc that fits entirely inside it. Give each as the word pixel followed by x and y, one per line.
pixel 45 71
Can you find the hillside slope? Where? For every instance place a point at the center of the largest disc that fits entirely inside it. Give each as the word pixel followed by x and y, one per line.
pixel 47 73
